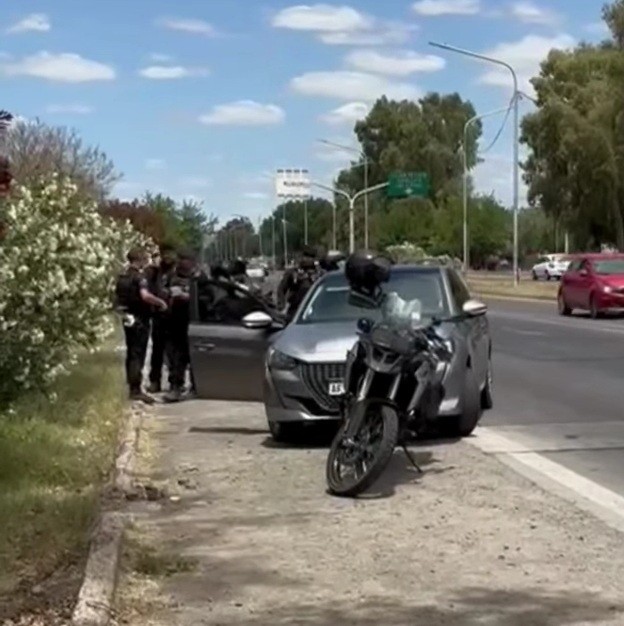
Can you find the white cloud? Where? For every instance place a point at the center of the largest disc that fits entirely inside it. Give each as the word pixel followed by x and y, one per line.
pixel 71 109
pixel 525 56
pixel 191 26
pixel 63 67
pixel 346 114
pixel 155 164
pixel 342 25
pixel 243 113
pixel 158 57
pixel 256 195
pixel 530 13
pixel 435 8
pixel 322 18
pixel 401 63
pixel 35 22
pixel 171 72
pixel 349 85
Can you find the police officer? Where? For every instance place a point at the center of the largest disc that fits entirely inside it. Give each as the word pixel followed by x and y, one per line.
pixel 297 281
pixel 134 302
pixel 177 345
pixel 158 276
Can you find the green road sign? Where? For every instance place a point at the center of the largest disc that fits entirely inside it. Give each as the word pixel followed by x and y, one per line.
pixel 408 185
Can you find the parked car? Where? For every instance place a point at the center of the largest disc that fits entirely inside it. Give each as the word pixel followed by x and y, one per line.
pixel 257 272
pixel 550 266
pixel 298 370
pixel 594 283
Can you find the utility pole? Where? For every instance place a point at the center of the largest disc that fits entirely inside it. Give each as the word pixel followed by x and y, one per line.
pixel 351 199
pixel 285 235
pixel 305 222
pixel 516 139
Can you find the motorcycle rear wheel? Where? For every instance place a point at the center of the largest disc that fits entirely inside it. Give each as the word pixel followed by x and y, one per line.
pixel 380 421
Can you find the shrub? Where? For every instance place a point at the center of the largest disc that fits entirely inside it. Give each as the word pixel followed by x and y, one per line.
pixel 58 257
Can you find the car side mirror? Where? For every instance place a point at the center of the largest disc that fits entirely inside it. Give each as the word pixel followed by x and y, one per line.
pixel 257 320
pixel 474 308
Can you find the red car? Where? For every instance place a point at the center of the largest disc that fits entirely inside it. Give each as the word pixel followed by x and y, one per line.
pixel 594 283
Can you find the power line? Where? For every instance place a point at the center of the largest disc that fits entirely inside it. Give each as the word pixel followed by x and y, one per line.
pixel 502 127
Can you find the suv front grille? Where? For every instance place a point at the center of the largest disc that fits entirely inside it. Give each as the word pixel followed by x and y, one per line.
pixel 317 377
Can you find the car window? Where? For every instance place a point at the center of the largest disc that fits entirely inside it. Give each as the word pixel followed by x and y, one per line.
pixel 574 265
pixel 609 267
pixel 329 300
pixel 221 302
pixel 459 289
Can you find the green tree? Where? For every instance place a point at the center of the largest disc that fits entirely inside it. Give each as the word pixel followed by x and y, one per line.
pixel 575 170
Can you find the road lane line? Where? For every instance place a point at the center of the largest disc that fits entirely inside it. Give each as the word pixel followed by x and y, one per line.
pixel 553 477
pixel 590 326
pixel 521 331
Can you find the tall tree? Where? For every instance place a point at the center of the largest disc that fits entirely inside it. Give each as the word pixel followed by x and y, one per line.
pixel 575 170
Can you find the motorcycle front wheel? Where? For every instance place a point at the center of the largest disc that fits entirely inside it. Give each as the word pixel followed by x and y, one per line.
pixel 358 458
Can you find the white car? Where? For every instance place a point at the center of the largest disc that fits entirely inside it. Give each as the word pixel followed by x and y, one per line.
pixel 256 272
pixel 550 266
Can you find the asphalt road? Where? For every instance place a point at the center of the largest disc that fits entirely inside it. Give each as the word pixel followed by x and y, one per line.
pixel 559 387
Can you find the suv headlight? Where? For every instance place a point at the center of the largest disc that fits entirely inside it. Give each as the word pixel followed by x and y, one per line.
pixel 279 361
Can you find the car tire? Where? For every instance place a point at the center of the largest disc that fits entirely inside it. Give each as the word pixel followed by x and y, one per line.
pixel 547 275
pixel 562 306
pixel 464 424
pixel 534 275
pixel 487 398
pixel 285 432
pixel 594 311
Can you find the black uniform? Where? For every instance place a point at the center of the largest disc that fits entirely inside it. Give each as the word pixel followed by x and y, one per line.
pixel 136 323
pixel 177 344
pixel 157 278
pixel 294 286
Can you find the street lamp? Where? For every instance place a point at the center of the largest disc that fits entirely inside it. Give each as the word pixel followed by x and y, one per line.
pixel 516 139
pixel 365 163
pixel 351 200
pixel 467 125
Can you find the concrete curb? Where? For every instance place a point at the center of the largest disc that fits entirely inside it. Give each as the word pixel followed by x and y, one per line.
pixel 95 598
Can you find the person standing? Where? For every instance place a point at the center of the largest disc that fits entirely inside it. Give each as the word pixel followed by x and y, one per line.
pixel 158 278
pixel 177 345
pixel 134 302
pixel 297 281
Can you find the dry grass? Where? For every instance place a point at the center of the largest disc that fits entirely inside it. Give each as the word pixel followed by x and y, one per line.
pixel 54 458
pixel 496 285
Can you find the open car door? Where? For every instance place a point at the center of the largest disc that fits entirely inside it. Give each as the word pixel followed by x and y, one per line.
pixel 228 338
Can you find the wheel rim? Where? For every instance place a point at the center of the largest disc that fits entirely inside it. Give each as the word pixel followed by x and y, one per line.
pixel 355 455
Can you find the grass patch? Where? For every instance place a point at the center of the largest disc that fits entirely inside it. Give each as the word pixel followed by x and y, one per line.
pixel 145 559
pixel 54 458
pixel 504 287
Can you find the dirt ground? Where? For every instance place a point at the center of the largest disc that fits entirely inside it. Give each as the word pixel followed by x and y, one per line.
pixel 248 536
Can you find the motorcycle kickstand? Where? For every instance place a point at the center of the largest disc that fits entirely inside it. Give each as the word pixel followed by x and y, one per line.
pixel 411 459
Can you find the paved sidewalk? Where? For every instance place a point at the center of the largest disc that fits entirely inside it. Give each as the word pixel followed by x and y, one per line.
pixel 470 542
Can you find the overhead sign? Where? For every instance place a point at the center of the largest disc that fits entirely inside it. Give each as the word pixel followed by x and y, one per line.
pixel 292 184
pixel 408 185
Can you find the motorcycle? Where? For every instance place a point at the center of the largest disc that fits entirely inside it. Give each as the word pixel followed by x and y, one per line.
pixel 393 389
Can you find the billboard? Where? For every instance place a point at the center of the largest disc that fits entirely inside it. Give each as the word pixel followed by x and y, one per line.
pixel 292 184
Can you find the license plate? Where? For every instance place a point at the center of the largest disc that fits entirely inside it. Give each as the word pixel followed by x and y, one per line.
pixel 336 388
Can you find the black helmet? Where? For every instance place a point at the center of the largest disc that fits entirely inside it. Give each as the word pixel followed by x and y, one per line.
pixel 366 271
pixel 238 268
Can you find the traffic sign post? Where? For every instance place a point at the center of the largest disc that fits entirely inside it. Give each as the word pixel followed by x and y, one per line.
pixel 408 185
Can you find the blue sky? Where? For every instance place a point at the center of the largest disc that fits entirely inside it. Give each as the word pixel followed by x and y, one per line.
pixel 205 98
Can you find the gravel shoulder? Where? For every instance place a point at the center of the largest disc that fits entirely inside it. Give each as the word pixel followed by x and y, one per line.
pixel 257 541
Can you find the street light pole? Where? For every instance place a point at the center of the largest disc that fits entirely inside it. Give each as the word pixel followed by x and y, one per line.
pixel 285 232
pixel 305 222
pixel 365 163
pixel 516 139
pixel 273 239
pixel 467 125
pixel 352 199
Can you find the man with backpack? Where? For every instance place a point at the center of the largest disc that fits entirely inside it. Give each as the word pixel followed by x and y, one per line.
pixel 134 302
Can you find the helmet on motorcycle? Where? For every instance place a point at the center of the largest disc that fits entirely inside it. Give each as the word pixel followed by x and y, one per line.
pixel 366 271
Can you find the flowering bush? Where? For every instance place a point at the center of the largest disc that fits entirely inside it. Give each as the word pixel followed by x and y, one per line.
pixel 58 257
pixel 410 253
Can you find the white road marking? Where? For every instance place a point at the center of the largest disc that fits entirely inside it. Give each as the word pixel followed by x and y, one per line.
pixel 521 331
pixel 587 494
pixel 589 325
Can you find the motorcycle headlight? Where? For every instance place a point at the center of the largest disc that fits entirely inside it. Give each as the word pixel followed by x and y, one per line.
pixel 279 361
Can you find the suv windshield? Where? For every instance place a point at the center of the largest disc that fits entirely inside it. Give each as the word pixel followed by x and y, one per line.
pixel 329 301
pixel 612 266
